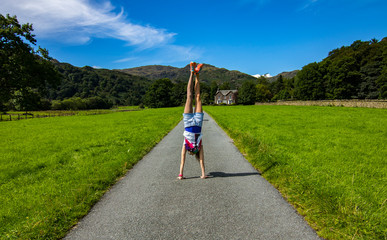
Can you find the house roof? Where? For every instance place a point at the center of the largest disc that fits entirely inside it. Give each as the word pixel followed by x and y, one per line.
pixel 225 92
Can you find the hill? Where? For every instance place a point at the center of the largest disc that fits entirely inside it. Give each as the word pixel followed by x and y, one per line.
pixel 209 73
pixel 287 75
pixel 115 86
pixel 153 72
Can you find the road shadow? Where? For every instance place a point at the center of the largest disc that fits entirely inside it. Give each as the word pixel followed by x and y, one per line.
pixel 223 174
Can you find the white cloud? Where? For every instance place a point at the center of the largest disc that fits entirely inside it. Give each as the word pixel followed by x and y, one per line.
pixel 165 55
pixel 267 75
pixel 128 59
pixel 77 21
pixel 307 4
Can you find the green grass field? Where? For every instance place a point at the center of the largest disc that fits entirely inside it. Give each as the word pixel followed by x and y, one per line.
pixel 329 162
pixel 53 170
pixel 21 115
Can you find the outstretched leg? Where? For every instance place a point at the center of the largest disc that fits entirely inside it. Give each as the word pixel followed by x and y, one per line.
pixel 201 162
pixel 188 102
pixel 198 106
pixel 183 153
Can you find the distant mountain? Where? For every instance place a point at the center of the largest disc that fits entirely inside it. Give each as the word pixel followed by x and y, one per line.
pixel 154 72
pixel 208 74
pixel 284 75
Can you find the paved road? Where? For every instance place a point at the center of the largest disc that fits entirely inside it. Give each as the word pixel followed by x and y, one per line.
pixel 235 203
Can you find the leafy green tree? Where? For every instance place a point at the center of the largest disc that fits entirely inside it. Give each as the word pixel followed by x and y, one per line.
pixel 205 90
pixel 27 99
pixel 213 89
pixel 179 94
pixel 381 82
pixel 97 103
pixel 370 73
pixel 343 78
pixel 206 99
pixel 278 85
pixel 159 94
pixel 247 93
pixel 225 86
pixel 263 93
pixel 309 84
pixel 22 68
pixel 263 80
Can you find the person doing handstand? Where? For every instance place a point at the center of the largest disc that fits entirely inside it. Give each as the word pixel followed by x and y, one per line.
pixel 193 122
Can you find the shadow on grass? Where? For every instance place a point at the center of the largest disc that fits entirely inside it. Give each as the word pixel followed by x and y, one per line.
pixel 222 174
pixel 273 164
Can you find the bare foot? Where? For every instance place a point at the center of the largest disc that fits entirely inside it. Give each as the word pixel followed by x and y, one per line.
pixel 204 177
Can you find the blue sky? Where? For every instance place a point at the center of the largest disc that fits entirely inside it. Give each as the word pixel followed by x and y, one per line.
pixel 252 36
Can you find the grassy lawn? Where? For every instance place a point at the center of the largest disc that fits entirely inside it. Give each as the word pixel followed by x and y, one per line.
pixel 329 162
pixel 53 170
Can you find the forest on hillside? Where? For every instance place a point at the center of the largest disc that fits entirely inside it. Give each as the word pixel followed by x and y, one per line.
pixel 114 86
pixel 358 71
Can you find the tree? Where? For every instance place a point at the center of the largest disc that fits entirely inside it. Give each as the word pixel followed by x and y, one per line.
pixel 343 78
pixel 26 100
pixel 278 85
pixel 213 89
pixel 382 79
pixel 179 94
pixel 263 80
pixel 247 93
pixel 263 93
pixel 225 86
pixel 22 68
pixel 309 83
pixel 159 94
pixel 205 90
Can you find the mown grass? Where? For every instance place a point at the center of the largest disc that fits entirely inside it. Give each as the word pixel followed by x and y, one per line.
pixel 53 170
pixel 329 162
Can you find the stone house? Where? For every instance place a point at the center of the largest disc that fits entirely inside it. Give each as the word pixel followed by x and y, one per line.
pixel 226 97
